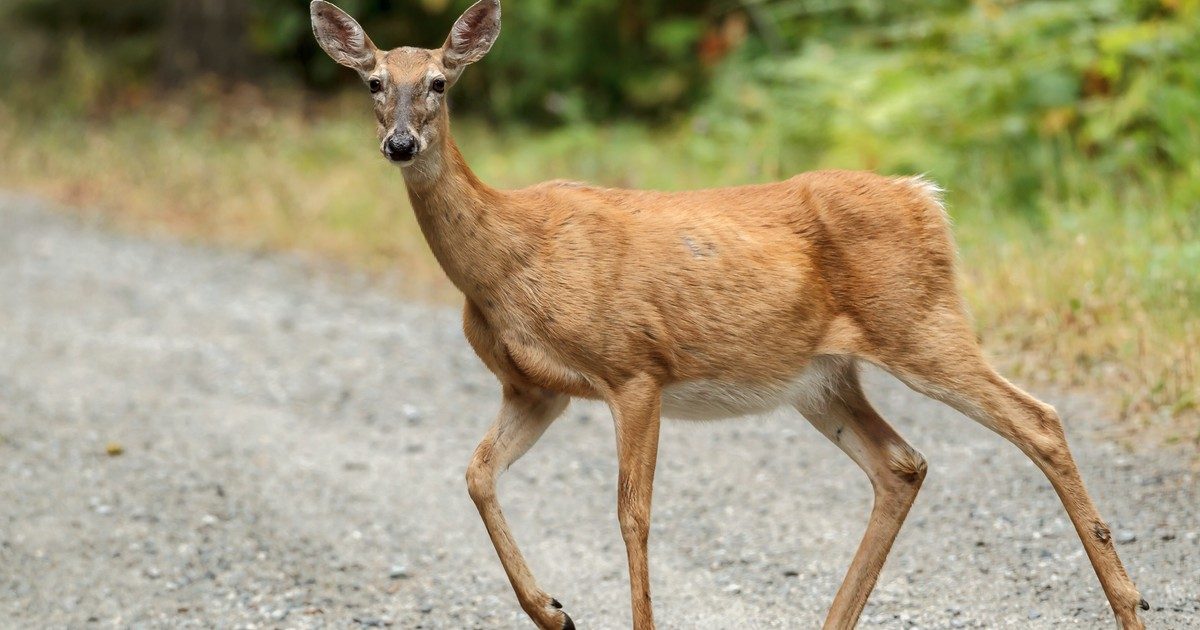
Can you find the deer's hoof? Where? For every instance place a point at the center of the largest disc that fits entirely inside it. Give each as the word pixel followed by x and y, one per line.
pixel 567 623
pixel 1144 605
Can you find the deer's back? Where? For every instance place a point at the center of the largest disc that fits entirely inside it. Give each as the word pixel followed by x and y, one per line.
pixel 740 284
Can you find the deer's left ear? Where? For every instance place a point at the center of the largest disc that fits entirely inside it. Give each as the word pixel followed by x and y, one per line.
pixel 471 37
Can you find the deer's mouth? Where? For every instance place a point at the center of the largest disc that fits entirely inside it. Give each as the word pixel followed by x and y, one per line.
pixel 402 161
pixel 400 158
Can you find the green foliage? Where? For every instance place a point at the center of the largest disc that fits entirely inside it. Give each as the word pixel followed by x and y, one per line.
pixel 1004 92
pixel 591 59
pixel 124 33
pixel 555 61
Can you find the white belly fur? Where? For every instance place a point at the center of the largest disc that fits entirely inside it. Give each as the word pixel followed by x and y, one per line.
pixel 714 400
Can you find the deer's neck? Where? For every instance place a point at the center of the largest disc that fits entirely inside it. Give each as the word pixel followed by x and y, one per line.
pixel 470 227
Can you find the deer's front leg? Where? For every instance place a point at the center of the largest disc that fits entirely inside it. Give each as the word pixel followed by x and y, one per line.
pixel 523 418
pixel 635 410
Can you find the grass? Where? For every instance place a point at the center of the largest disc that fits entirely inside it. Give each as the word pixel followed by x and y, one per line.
pixel 1100 293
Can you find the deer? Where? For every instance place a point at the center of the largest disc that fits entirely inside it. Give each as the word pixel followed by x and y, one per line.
pixel 700 304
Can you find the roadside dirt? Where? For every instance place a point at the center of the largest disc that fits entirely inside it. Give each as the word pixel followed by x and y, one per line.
pixel 292 440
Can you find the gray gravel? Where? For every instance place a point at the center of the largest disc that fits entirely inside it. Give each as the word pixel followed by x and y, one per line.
pixel 294 438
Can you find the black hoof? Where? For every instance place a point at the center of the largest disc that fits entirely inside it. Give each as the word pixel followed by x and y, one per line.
pixel 567 623
pixel 1144 604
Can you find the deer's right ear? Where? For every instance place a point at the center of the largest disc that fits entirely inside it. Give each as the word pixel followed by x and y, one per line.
pixel 342 37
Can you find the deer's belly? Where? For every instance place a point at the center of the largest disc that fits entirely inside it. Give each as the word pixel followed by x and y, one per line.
pixel 715 399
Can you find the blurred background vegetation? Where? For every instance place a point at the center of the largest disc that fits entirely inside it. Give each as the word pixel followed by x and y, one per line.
pixel 1066 132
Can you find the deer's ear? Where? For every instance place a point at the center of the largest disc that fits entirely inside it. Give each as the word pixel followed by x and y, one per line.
pixel 342 37
pixel 472 36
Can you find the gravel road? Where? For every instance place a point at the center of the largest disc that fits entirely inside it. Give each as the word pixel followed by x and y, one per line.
pixel 293 439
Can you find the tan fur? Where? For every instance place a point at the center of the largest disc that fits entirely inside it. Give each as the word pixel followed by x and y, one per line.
pixel 705 303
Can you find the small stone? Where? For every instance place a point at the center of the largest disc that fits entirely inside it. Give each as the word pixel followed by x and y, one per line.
pixel 279 614
pixel 411 413
pixel 1033 614
pixel 398 572
pixel 790 573
pixel 1125 537
pixel 114 449
pixel 733 588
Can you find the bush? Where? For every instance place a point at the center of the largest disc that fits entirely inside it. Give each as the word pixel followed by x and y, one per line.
pixel 1029 95
pixel 600 59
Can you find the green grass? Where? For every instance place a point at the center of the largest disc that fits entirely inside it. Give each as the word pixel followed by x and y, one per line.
pixel 1099 289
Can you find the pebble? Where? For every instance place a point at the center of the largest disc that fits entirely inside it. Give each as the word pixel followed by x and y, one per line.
pixel 1125 537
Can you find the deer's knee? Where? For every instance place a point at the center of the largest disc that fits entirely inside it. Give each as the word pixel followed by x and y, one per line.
pixel 1041 436
pixel 906 464
pixel 901 473
pixel 481 482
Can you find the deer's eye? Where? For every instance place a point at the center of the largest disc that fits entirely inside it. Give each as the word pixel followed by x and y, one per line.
pixel 438 85
pixel 375 85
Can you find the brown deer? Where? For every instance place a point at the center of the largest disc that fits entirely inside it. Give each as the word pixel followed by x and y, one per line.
pixel 699 304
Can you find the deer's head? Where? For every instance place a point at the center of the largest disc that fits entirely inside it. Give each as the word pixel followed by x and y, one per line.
pixel 408 85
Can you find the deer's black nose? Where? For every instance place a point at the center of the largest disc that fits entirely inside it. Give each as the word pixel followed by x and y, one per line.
pixel 400 147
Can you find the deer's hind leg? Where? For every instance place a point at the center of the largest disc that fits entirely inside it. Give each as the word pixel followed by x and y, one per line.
pixel 947 365
pixel 895 469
